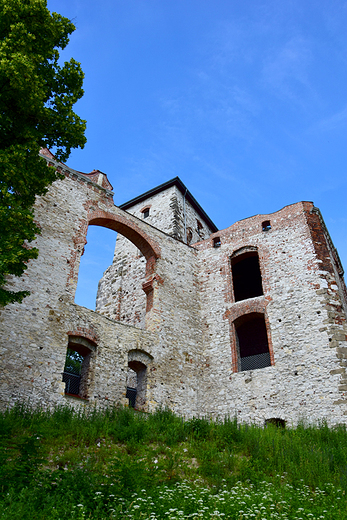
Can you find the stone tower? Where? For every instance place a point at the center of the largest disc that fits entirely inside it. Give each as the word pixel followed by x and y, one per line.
pixel 169 207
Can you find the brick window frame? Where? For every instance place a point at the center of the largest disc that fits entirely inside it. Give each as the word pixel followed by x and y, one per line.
pixel 256 305
pixel 145 211
pixel 252 337
pixel 239 260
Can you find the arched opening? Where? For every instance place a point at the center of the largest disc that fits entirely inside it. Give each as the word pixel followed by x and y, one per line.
pixel 130 230
pixel 120 294
pixel 137 378
pixel 76 374
pixel 247 282
pixel 275 421
pixel 252 342
pixel 96 258
pixel 138 362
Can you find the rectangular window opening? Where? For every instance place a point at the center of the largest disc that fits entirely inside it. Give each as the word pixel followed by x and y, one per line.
pixel 266 225
pixel 247 280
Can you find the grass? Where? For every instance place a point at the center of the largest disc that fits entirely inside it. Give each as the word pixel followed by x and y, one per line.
pixel 118 463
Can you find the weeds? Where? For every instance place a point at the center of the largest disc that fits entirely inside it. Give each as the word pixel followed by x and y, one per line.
pixel 117 463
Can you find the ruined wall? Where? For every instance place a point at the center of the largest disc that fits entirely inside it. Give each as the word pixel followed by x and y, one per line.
pixel 35 334
pixel 120 294
pixel 182 343
pixel 302 309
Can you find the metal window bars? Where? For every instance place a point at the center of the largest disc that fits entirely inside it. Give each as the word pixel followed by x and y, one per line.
pixel 72 381
pixel 255 362
pixel 131 395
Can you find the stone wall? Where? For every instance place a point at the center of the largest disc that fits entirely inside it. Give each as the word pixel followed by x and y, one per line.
pixel 305 325
pixel 35 334
pixel 175 326
pixel 120 295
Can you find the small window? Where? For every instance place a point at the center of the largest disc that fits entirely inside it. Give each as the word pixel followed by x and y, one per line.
pixel 145 211
pixel 266 225
pixel 217 242
pixel 72 372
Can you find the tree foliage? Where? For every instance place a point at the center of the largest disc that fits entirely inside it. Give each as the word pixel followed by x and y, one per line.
pixel 73 362
pixel 37 95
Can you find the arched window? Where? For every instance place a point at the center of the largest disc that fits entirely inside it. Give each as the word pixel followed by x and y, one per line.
pixel 246 275
pixel 76 375
pixel 252 342
pixel 137 378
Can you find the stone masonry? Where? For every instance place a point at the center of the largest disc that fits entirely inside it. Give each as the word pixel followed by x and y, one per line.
pixel 247 321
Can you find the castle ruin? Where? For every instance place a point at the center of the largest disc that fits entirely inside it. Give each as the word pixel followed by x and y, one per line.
pixel 249 321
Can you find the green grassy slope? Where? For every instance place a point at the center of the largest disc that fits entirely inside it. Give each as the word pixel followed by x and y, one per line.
pixel 119 463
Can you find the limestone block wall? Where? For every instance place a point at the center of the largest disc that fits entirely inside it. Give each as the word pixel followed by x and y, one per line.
pixel 169 211
pixel 176 318
pixel 168 310
pixel 33 343
pixel 35 334
pixel 161 211
pixel 302 308
pixel 120 294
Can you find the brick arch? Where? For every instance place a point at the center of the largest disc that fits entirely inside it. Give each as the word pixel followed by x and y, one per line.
pixel 130 230
pixel 244 307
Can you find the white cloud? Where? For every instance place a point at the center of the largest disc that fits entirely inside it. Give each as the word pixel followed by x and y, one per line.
pixel 335 121
pixel 286 70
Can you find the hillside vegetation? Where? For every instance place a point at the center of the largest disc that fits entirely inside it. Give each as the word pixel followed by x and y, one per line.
pixel 119 463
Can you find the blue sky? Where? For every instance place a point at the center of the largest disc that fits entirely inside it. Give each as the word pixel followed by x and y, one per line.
pixel 245 101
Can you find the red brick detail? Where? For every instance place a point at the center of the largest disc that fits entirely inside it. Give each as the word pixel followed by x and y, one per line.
pixel 128 228
pixel 83 332
pixel 148 288
pixel 150 265
pixel 246 307
pixel 234 363
pixel 269 339
pixel 318 239
pixel 243 230
pixel 120 224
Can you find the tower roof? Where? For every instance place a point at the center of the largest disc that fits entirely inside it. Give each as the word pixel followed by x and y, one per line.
pixel 176 181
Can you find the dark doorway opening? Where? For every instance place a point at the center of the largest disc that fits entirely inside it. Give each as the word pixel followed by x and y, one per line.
pixel 275 421
pixel 137 384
